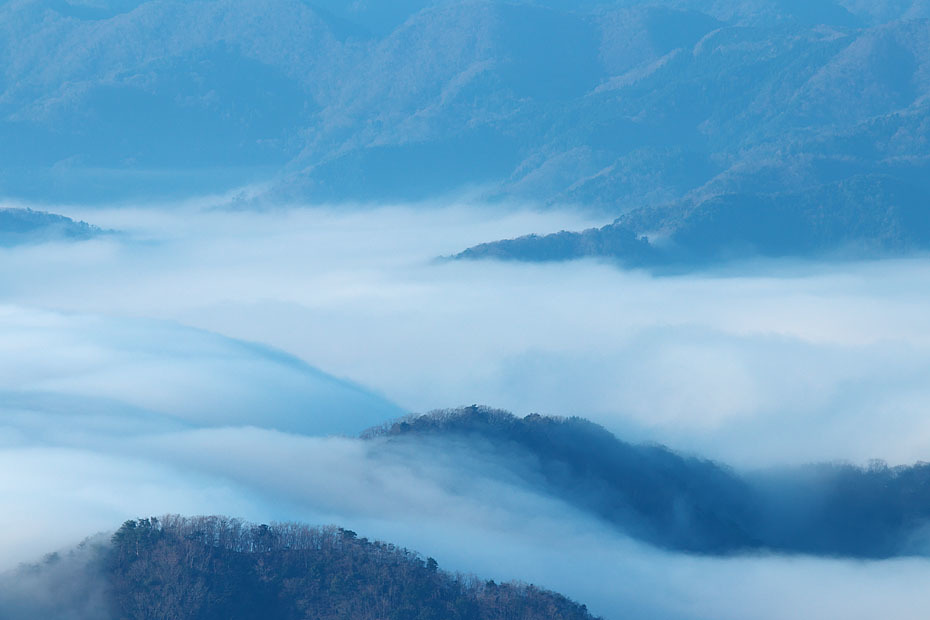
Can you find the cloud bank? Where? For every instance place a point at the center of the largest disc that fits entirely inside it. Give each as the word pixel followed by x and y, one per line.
pixel 127 388
pixel 823 361
pixel 158 370
pixel 457 508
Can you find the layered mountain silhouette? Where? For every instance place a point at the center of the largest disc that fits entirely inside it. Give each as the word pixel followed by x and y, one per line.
pixel 219 567
pixel 679 116
pixel 689 504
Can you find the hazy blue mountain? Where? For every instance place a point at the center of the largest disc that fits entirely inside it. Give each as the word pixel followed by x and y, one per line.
pixel 660 107
pixel 206 568
pixel 19 226
pixel 614 242
pixel 861 216
pixel 686 503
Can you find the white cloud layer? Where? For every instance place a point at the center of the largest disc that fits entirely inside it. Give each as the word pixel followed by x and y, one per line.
pixel 161 370
pixel 779 363
pixel 123 391
pixel 461 511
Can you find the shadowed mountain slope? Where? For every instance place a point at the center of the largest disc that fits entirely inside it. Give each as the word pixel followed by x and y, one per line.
pixel 690 504
pixel 676 115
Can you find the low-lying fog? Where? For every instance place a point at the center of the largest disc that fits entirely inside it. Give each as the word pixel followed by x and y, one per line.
pixel 768 364
pixel 125 389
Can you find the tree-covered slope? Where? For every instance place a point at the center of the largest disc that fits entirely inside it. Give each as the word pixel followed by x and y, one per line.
pixel 862 216
pixel 686 503
pixel 207 568
pixel 729 114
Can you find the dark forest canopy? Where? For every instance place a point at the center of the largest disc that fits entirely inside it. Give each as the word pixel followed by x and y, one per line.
pixel 691 504
pixel 219 568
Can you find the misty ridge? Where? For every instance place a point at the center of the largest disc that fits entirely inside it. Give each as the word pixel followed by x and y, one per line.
pixel 223 567
pixel 687 503
pixel 867 217
pixel 226 568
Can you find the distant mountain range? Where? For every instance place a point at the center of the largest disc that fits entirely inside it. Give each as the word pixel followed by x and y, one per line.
pixel 208 568
pixel 685 503
pixel 716 129
pixel 865 216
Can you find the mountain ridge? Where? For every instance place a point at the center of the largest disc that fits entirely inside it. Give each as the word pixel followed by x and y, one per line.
pixel 689 504
pixel 218 567
pixel 611 106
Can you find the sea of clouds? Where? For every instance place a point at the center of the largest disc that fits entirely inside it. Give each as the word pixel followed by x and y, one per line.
pixel 209 359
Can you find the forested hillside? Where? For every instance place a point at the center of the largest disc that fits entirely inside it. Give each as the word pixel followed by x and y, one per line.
pixel 687 503
pixel 717 130
pixel 217 568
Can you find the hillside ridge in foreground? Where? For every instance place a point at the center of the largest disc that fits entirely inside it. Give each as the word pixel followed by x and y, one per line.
pixel 208 568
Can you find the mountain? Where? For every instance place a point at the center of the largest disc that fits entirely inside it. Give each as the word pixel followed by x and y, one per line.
pixel 674 115
pixel 23 226
pixel 614 242
pixel 685 503
pixel 863 216
pixel 214 567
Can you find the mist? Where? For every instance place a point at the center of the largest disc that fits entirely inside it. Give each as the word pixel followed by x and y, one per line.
pixel 825 361
pixel 450 503
pixel 214 359
pixel 233 243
